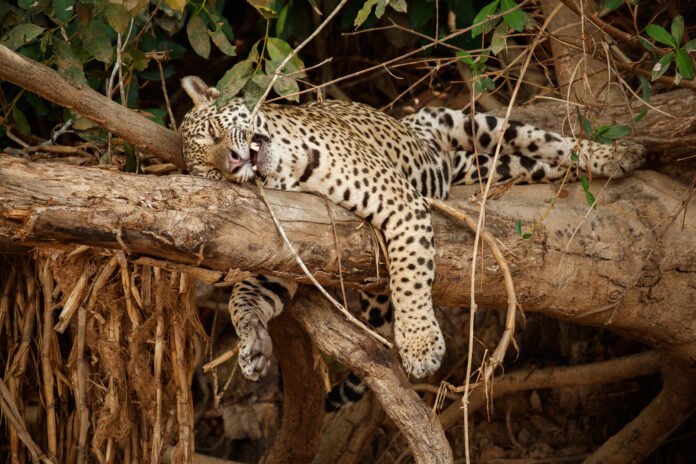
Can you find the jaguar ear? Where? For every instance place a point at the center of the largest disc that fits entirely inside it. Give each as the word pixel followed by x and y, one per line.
pixel 198 90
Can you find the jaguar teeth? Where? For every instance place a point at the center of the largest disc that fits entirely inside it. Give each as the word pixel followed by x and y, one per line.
pixel 253 168
pixel 254 146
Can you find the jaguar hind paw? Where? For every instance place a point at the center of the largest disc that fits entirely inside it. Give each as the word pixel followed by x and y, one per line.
pixel 421 349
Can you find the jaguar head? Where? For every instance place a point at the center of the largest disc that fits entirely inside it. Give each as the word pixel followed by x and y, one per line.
pixel 221 142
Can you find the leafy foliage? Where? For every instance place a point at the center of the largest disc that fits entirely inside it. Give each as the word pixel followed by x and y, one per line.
pixel 680 54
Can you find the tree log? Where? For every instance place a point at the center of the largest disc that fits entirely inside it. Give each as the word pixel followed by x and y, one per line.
pixel 629 266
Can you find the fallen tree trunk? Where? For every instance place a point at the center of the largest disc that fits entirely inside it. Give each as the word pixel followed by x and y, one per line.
pixel 628 266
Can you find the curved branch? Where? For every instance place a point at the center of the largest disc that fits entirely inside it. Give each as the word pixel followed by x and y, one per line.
pixel 113 117
pixel 380 370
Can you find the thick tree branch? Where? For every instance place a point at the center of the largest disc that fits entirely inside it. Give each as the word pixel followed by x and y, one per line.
pixel 619 270
pixel 113 117
pixel 303 394
pixel 381 371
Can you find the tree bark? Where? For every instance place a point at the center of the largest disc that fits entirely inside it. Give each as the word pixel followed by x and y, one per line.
pixel 629 266
pixel 303 394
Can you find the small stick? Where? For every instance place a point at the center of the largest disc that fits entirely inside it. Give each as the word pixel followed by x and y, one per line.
pixel 223 358
pixel 46 361
pixel 159 353
pixel 302 265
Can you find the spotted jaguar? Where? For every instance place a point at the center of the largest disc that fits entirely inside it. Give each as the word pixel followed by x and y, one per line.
pixel 382 169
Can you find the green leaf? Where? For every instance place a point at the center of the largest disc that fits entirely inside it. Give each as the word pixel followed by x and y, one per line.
pixel 647 45
pixel 574 156
pixel 137 58
pixel 282 18
pixel 264 7
pixel 278 49
pixel 684 64
pixel 63 9
pixel 198 36
pixel 288 88
pixel 465 57
pixel 639 117
pixel 526 236
pixel 117 17
pixel 26 4
pixel 96 40
pixel 659 34
pixel 484 83
pixel 518 227
pixel 21 121
pixel 690 46
pixel 67 63
pixel 677 29
pixel 381 6
pixel 234 80
pixel 399 5
pixel 515 19
pixel 419 13
pixel 481 24
pixel 21 35
pixel 610 5
pixel 499 39
pixel 644 88
pixel 607 134
pixel 252 93
pixel 661 66
pixel 586 126
pixel 220 40
pixel 364 12
pixel 589 197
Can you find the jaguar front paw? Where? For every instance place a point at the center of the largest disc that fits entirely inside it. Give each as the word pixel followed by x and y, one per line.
pixel 421 346
pixel 255 348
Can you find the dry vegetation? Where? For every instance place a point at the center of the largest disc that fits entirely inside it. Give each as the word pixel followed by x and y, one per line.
pixel 117 346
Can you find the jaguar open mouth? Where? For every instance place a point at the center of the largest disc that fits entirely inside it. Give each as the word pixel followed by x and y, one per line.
pixel 257 151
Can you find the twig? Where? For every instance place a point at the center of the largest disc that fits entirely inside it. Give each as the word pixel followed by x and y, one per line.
pixel 482 215
pixel 81 383
pixel 496 359
pixel 182 402
pixel 46 359
pixel 172 119
pixel 156 446
pixel 614 370
pixel 74 300
pixel 223 358
pixel 302 265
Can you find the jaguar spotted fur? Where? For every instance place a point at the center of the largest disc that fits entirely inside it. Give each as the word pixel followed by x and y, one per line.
pixel 382 169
